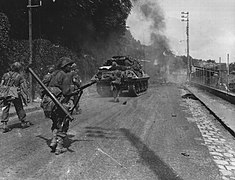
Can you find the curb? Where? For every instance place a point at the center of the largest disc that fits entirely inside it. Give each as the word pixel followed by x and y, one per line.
pixel 217 113
pixel 27 110
pixel 33 108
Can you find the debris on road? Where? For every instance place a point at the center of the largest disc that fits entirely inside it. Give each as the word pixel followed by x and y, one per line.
pixel 111 157
pixel 173 115
pixel 184 154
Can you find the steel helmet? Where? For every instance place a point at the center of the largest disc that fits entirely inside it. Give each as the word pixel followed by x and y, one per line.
pixel 16 66
pixel 114 63
pixel 51 69
pixel 65 61
pixel 74 66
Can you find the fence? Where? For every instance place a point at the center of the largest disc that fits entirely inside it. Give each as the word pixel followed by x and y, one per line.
pixel 213 75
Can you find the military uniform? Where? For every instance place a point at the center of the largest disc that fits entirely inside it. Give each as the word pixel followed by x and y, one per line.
pixel 14 78
pixel 46 80
pixel 60 86
pixel 116 84
pixel 76 81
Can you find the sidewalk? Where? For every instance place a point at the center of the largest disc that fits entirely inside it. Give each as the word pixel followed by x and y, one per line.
pixel 33 106
pixel 222 109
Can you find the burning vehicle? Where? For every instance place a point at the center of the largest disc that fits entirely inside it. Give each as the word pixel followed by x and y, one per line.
pixel 134 81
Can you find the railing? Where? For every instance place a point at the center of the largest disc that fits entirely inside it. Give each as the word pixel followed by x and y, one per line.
pixel 215 81
pixel 214 78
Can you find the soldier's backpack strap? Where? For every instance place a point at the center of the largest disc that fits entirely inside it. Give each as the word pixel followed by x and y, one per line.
pixel 10 79
pixel 13 78
pixel 9 90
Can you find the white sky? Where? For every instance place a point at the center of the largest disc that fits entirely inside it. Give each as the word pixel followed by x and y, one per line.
pixel 211 27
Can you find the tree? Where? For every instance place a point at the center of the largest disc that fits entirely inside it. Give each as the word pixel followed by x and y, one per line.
pixel 4 42
pixel 75 25
pixel 4 31
pixel 71 22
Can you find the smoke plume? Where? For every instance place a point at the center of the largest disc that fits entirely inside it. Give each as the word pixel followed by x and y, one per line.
pixel 147 21
pixel 147 24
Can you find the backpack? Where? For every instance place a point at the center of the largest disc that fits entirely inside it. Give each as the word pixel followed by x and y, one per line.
pixel 9 91
pixel 47 103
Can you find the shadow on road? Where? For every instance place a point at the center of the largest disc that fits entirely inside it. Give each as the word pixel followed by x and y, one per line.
pixel 68 141
pixel 18 126
pixel 99 132
pixel 150 159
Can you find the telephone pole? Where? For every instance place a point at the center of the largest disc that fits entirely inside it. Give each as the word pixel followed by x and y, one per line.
pixel 30 6
pixel 228 72
pixel 185 18
pixel 30 50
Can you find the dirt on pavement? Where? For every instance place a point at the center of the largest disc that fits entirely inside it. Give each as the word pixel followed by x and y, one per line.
pixel 145 137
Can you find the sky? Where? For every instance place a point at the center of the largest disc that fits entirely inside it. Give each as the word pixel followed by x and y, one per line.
pixel 211 27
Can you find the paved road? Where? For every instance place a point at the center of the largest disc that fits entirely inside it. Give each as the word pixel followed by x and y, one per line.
pixel 157 136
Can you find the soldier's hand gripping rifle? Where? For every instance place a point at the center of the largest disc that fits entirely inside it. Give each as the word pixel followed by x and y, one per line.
pixel 80 91
pixel 54 99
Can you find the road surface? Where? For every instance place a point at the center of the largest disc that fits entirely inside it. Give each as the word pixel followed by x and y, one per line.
pixel 160 135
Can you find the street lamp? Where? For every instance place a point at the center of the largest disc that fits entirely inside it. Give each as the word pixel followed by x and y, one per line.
pixel 185 18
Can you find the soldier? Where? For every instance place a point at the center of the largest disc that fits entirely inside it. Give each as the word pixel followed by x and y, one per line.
pixel 114 66
pixel 116 84
pixel 14 78
pixel 46 79
pixel 76 81
pixel 60 86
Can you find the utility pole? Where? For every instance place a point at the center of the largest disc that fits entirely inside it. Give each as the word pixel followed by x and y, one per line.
pixel 185 18
pixel 227 72
pixel 30 6
pixel 228 64
pixel 30 51
pixel 220 70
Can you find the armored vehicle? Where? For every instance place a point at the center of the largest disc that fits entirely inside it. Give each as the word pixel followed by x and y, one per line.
pixel 134 81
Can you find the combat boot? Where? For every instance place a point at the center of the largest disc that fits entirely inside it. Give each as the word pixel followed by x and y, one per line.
pixel 79 111
pixel 59 148
pixel 25 124
pixel 5 127
pixel 53 143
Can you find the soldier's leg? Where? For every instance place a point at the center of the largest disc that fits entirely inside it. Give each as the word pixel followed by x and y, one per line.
pixel 61 135
pixel 60 143
pixel 114 92
pixel 60 146
pixel 77 108
pixel 5 115
pixel 54 129
pixel 118 92
pixel 53 143
pixel 21 112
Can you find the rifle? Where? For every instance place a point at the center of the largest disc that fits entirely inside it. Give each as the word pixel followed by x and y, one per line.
pixel 80 92
pixel 54 99
pixel 76 103
pixel 82 87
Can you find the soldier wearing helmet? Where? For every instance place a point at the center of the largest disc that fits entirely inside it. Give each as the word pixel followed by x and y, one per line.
pixel 60 86
pixel 76 81
pixel 114 66
pixel 116 84
pixel 46 79
pixel 14 78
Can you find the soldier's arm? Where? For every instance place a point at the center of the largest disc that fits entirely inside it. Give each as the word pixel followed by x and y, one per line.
pixel 3 79
pixel 77 81
pixel 23 88
pixel 66 86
